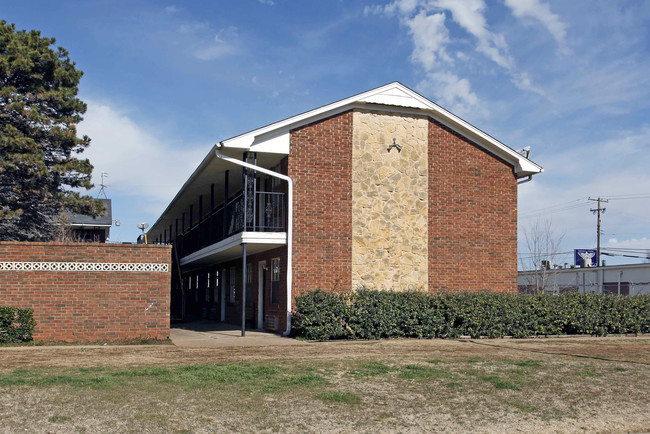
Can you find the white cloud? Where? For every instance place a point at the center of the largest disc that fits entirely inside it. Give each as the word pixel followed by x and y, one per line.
pixel 453 93
pixel 140 164
pixel 523 81
pixel 267 2
pixel 435 50
pixel 540 11
pixel 630 243
pixel 429 38
pixel 403 7
pixel 171 9
pixel 222 45
pixel 469 15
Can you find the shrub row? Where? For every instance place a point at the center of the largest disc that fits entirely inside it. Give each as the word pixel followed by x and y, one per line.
pixel 16 324
pixel 366 314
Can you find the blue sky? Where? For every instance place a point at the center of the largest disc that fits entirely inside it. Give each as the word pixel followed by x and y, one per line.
pixel 166 80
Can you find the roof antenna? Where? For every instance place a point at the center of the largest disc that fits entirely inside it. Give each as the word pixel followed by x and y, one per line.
pixel 103 186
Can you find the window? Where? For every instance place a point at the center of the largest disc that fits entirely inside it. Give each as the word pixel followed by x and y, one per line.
pixel 207 288
pixel 196 289
pixel 231 284
pixel 275 280
pixel 217 278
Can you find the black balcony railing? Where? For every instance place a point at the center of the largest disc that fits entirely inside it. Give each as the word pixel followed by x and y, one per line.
pixel 266 212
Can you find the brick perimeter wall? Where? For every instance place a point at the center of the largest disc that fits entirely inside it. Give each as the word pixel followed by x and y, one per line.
pixel 320 164
pixel 92 306
pixel 472 216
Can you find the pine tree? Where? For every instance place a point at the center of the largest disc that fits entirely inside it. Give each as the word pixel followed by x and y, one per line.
pixel 39 111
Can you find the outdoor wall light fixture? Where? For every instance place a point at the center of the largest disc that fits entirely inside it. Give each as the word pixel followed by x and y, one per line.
pixel 395 145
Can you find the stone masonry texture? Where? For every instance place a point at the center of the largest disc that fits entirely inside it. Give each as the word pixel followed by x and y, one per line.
pixel 389 201
pixel 472 216
pixel 320 164
pixel 90 306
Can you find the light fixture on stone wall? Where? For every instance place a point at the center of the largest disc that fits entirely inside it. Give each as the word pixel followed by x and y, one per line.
pixel 395 145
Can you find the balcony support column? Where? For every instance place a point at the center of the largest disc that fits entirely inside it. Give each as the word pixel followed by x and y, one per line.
pixel 243 291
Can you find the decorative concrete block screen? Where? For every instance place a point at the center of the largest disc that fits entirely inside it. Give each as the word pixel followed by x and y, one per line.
pixel 89 292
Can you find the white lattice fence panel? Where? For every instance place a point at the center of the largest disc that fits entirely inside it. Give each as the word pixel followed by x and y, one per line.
pixel 85 266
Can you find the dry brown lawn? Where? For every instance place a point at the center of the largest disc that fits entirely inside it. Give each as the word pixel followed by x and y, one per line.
pixel 533 385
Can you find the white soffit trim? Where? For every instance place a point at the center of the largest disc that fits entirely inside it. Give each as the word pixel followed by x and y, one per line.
pixel 279 238
pixel 275 138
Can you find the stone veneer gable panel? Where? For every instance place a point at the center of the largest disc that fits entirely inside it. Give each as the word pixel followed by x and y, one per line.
pixel 389 201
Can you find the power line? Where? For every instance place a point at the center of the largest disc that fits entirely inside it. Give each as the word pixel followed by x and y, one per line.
pixel 629 195
pixel 627 256
pixel 554 206
pixel 552 211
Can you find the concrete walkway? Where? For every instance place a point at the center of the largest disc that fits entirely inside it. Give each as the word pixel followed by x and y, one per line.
pixel 207 334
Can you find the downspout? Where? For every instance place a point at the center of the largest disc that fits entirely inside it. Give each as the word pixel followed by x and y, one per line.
pixel 289 222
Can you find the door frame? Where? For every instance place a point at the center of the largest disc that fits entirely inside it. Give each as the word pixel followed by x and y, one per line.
pixel 261 278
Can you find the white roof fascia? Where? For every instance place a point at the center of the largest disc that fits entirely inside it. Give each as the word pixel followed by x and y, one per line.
pixel 279 238
pixel 275 138
pixel 247 140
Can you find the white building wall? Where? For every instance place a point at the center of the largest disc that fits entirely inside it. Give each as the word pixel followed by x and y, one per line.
pixel 633 278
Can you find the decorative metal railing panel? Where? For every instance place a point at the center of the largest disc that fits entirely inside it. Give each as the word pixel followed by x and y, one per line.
pixel 266 212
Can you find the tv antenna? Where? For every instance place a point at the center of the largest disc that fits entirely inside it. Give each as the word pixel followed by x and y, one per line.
pixel 103 186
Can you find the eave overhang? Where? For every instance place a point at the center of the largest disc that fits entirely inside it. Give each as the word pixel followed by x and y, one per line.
pixel 274 139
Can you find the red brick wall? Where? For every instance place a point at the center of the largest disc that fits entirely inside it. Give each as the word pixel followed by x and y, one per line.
pixel 89 306
pixel 320 164
pixel 472 216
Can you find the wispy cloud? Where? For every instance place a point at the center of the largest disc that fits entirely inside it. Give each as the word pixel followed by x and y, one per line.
pixel 540 11
pixel 469 15
pixel 430 37
pixel 224 43
pixel 434 49
pixel 171 9
pixel 452 92
pixel 267 2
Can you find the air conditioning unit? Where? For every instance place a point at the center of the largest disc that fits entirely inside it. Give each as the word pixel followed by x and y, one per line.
pixel 271 322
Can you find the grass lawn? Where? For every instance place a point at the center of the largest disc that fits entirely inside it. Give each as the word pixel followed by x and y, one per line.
pixel 537 385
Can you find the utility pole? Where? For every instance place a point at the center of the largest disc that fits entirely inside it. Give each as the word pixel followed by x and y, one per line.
pixel 598 211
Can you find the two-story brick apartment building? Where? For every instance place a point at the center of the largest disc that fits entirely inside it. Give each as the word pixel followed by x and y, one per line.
pixel 383 189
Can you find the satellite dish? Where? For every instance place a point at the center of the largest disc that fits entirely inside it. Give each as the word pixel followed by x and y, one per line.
pixel 143 225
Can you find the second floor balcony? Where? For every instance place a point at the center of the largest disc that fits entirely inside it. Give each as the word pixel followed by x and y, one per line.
pixel 253 212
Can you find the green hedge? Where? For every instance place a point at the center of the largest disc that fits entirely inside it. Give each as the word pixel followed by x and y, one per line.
pixel 366 314
pixel 16 324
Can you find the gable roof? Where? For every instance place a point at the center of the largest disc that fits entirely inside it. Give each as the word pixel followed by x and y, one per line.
pixel 275 138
